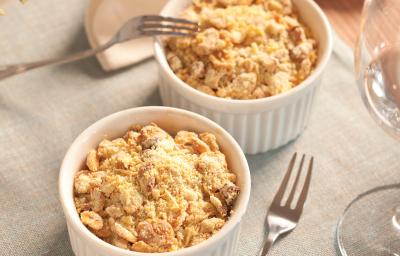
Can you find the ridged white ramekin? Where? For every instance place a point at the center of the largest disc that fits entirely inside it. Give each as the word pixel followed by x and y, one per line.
pixel 85 243
pixel 262 124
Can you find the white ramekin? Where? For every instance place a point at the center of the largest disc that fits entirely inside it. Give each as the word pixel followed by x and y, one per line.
pixel 258 125
pixel 84 243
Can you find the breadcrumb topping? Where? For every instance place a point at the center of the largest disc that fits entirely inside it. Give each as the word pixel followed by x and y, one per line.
pixel 245 49
pixel 151 192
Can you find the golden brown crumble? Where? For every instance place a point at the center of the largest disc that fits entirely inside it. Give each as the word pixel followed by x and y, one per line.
pixel 246 49
pixel 150 192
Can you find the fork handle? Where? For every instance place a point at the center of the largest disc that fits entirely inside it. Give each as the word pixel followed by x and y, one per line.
pixel 268 242
pixel 10 70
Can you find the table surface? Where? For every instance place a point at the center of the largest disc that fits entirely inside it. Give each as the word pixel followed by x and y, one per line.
pixel 344 16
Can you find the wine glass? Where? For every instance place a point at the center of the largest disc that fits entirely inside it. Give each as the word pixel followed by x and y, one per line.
pixel 370 224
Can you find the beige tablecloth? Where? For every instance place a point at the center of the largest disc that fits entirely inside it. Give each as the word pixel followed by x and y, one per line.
pixel 41 112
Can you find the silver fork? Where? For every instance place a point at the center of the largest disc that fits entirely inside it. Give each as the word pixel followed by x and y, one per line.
pixel 281 217
pixel 142 26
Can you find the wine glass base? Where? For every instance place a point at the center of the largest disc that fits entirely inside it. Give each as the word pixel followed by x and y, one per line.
pixel 370 225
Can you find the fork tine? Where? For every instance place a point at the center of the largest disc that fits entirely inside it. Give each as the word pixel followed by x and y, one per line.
pixel 166 19
pixel 291 195
pixel 281 191
pixel 174 27
pixel 306 186
pixel 165 33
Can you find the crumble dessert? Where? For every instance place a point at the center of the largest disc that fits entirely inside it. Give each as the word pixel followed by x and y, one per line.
pixel 245 49
pixel 151 192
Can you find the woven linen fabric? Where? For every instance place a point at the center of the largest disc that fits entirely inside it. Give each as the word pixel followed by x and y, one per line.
pixel 42 111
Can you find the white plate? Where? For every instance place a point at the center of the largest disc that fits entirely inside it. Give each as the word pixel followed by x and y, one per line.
pixel 105 17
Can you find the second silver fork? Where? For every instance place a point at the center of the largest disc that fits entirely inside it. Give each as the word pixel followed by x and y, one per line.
pixel 282 217
pixel 148 25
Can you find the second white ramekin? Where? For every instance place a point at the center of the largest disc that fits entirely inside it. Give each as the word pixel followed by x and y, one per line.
pixel 85 243
pixel 258 125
